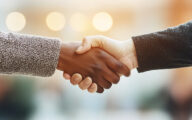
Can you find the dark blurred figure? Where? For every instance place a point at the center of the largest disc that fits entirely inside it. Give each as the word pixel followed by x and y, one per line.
pixel 16 98
pixel 180 102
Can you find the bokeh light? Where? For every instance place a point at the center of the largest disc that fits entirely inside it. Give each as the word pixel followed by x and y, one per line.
pixel 15 21
pixel 55 21
pixel 79 22
pixel 102 21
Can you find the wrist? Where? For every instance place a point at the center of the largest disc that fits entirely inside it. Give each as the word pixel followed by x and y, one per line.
pixel 66 56
pixel 133 51
pixel 130 54
pixel 62 56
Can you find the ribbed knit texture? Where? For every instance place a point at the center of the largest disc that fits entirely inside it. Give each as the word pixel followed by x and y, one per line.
pixel 27 54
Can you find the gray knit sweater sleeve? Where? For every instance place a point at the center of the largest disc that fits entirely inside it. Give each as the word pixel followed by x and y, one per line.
pixel 27 54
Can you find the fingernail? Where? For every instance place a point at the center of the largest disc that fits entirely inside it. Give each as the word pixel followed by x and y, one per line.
pixel 88 81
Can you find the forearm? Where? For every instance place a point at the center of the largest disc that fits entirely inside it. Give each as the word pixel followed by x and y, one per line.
pixel 26 54
pixel 166 49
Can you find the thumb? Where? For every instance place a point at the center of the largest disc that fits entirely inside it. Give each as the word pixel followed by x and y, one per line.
pixel 85 46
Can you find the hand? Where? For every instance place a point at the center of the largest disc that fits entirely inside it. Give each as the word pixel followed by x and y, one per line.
pixel 122 50
pixel 95 64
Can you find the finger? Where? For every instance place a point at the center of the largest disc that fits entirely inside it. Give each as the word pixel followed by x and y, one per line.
pixel 85 84
pixel 104 83
pixel 92 88
pixel 118 67
pixel 111 76
pixel 85 46
pixel 76 79
pixel 101 81
pixel 66 76
pixel 99 89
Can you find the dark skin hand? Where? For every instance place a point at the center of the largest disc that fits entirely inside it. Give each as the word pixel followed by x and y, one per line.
pixel 103 68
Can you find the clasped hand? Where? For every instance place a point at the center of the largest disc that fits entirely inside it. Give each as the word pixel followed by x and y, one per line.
pixel 98 68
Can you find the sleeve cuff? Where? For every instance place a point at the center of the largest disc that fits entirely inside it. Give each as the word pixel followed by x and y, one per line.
pixel 147 48
pixel 27 54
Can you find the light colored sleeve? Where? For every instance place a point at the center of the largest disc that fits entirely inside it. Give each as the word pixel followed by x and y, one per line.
pixel 27 54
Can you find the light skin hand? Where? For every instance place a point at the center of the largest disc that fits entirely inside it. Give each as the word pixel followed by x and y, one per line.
pixel 122 50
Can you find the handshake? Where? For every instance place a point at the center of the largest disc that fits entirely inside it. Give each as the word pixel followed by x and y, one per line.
pixel 97 62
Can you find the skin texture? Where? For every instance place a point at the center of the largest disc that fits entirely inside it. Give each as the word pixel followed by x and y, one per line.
pixel 94 66
pixel 77 80
pixel 124 51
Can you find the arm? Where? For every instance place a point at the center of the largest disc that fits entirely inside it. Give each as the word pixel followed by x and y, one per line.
pixel 95 64
pixel 161 50
pixel 26 54
pixel 35 55
pixel 171 48
pixel 166 49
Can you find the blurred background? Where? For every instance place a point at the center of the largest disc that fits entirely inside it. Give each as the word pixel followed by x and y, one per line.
pixel 154 95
